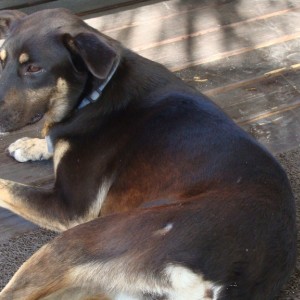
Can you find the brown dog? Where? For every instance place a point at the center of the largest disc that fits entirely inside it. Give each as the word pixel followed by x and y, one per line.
pixel 191 206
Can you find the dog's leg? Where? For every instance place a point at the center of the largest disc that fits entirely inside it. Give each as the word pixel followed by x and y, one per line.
pixel 44 207
pixel 62 270
pixel 26 149
pixel 123 254
pixel 44 276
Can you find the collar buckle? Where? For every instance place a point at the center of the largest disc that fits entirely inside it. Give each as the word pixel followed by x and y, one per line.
pixel 96 94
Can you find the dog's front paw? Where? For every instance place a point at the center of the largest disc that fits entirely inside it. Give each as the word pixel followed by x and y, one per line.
pixel 26 149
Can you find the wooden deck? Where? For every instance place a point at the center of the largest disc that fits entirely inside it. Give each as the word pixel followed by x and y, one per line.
pixel 244 54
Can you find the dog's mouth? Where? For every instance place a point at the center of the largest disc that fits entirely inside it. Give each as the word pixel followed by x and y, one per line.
pixel 36 118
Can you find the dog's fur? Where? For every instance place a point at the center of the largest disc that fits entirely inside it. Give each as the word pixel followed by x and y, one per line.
pixel 191 206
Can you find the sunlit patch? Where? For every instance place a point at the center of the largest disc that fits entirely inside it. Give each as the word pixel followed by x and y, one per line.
pixel 3 55
pixel 24 57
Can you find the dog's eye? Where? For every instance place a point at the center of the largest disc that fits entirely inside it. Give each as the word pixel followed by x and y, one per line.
pixel 31 69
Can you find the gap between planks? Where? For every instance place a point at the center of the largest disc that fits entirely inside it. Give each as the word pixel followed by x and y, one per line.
pixel 266 76
pixel 261 116
pixel 242 83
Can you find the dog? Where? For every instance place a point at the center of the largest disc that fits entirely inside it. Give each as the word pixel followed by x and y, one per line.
pixel 158 193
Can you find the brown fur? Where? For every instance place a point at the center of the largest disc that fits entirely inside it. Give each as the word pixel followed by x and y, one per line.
pixel 191 207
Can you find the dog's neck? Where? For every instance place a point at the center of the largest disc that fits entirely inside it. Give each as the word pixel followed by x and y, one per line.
pixel 95 95
pixel 134 80
pixel 128 85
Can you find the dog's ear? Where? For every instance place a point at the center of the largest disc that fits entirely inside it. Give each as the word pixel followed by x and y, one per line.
pixel 94 51
pixel 7 19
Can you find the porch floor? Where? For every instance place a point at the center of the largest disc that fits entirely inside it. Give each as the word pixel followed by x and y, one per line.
pixel 243 54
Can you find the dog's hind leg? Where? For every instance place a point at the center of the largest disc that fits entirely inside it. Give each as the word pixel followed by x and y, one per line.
pixel 46 275
pixel 65 269
pixel 44 207
pixel 121 254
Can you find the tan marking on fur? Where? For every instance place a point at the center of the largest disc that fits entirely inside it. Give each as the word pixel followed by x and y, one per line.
pixel 98 297
pixel 34 95
pixel 6 197
pixel 45 286
pixel 76 293
pixel 116 276
pixel 46 129
pixel 126 296
pixel 41 283
pixel 119 275
pixel 51 285
pixel 19 203
pixel 3 54
pixel 24 57
pixel 15 202
pixel 59 106
pixel 61 148
pixel 95 208
pixel 62 86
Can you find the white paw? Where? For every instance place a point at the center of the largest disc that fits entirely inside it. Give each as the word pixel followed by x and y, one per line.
pixel 26 149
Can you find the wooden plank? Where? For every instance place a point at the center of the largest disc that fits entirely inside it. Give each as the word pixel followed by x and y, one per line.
pixel 223 55
pixel 278 132
pixel 246 82
pixel 144 17
pixel 207 26
pixel 189 16
pixel 260 99
pixel 247 68
pixel 205 53
pixel 78 6
pixel 37 173
pixel 17 4
pixel 268 109
pixel 293 78
pixel 137 36
pixel 221 44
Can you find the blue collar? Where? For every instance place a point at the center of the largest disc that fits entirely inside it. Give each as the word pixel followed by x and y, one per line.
pixel 96 94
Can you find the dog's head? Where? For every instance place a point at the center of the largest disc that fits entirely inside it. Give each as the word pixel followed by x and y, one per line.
pixel 49 61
